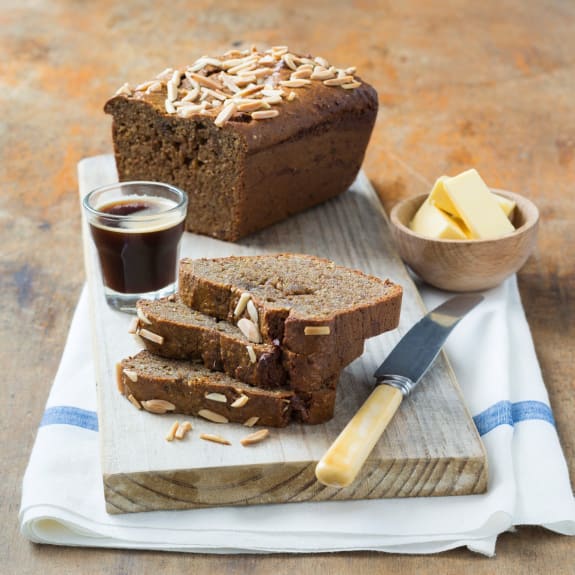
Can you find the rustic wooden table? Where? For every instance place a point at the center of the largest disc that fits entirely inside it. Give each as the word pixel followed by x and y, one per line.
pixel 484 84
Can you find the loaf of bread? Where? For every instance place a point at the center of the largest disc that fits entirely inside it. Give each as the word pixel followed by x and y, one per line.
pixel 172 329
pixel 251 136
pixel 162 385
pixel 308 304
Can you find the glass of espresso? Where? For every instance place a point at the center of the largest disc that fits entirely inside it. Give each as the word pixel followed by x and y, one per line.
pixel 136 228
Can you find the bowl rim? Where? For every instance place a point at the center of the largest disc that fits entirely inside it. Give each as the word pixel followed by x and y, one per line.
pixel 529 224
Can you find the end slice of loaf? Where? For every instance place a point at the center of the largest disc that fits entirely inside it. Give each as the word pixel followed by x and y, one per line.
pixel 306 303
pixel 190 388
pixel 180 332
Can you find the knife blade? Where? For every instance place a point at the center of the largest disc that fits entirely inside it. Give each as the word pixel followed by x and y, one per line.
pixel 395 378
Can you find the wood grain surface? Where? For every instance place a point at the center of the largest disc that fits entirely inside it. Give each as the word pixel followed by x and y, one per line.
pixel 431 447
pixel 461 84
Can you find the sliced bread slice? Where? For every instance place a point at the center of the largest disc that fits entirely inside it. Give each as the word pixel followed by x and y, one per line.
pixel 172 329
pixel 162 385
pixel 306 303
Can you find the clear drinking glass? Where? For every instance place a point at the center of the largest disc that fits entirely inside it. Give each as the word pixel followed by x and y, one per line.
pixel 136 228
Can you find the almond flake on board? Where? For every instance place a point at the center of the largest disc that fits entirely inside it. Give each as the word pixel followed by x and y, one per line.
pixel 214 438
pixel 255 437
pixel 183 429
pixel 172 432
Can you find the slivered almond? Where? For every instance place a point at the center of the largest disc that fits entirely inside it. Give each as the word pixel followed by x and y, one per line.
pixel 158 406
pixel 169 106
pixel 291 96
pixel 299 83
pixel 240 401
pixel 206 81
pixel 144 86
pixel 134 401
pixel 214 396
pixel 265 114
pixel 183 429
pixel 151 336
pixel 250 106
pixel 251 421
pixel 133 327
pixel 251 353
pixel 316 330
pixel 143 317
pixel 139 341
pixel 255 437
pixel 351 70
pixel 351 85
pixel 212 416
pixel 242 303
pixel 321 61
pixel 253 312
pixel 165 74
pixel 250 330
pixel 124 90
pixel 172 91
pixel 272 100
pixel 338 81
pixel 322 74
pixel 301 73
pixel 227 112
pixel 131 375
pixel 214 438
pixel 250 90
pixel 289 61
pixel 172 432
pixel 154 87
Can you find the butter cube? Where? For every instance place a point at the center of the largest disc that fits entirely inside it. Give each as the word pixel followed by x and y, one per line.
pixel 506 205
pixel 432 222
pixel 468 196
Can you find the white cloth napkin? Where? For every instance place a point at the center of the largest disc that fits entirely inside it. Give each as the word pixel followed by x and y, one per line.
pixel 493 357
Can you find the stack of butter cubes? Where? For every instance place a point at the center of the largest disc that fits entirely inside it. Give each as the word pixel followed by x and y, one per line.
pixel 463 208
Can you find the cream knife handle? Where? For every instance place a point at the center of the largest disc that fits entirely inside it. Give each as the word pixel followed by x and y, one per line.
pixel 346 456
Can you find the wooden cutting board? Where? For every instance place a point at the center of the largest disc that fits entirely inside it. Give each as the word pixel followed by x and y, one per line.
pixel 431 447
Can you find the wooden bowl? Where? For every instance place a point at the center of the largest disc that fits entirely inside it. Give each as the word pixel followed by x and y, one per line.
pixel 465 265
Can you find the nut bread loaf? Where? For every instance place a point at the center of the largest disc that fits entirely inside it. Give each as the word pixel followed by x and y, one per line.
pixel 251 136
pixel 162 385
pixel 306 303
pixel 172 329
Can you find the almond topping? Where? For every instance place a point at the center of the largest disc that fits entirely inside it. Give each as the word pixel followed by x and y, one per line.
pixel 214 438
pixel 227 112
pixel 134 401
pixel 250 330
pixel 142 316
pixel 124 90
pixel 242 303
pixel 240 401
pixel 183 429
pixel 251 353
pixel 158 406
pixel 299 83
pixel 317 330
pixel 255 437
pixel 212 416
pixel 133 328
pixel 251 421
pixel 264 114
pixel 151 336
pixel 169 107
pixel 172 432
pixel 206 81
pixel 338 81
pixel 131 375
pixel 219 397
pixel 351 85
pixel 253 312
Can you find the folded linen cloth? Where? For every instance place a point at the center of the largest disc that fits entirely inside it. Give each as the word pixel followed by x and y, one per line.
pixel 529 481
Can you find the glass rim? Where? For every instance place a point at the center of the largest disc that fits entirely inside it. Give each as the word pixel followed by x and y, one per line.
pixel 182 201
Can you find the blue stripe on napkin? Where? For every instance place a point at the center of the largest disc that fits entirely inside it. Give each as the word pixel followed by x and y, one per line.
pixel 68 415
pixel 507 413
pixel 502 413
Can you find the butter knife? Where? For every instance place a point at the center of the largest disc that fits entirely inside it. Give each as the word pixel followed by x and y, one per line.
pixel 395 378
